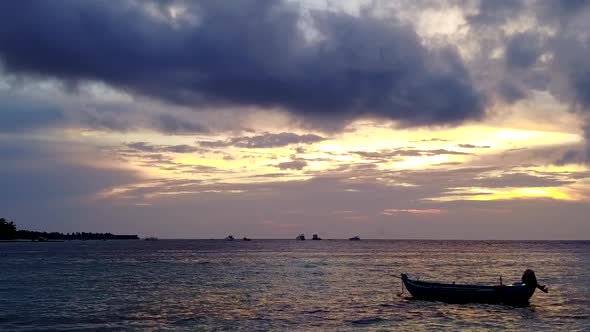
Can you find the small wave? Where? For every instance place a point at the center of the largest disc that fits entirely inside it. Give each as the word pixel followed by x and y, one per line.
pixel 315 311
pixel 261 319
pixel 574 316
pixel 189 320
pixel 368 320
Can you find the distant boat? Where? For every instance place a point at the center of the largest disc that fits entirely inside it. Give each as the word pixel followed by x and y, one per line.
pixel 151 238
pixel 355 238
pixel 518 293
pixel 316 237
pixel 246 239
pixel 44 239
pixel 300 237
pixel 229 238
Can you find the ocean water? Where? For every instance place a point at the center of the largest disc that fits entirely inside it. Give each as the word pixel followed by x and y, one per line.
pixel 282 285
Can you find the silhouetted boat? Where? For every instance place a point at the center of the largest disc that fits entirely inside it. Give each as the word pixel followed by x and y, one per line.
pixel 151 238
pixel 518 293
pixel 246 239
pixel 315 237
pixel 355 238
pixel 300 237
pixel 229 238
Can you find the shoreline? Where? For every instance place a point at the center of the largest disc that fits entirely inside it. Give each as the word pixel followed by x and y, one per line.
pixel 25 240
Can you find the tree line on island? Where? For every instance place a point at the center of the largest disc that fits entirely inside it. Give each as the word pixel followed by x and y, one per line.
pixel 8 231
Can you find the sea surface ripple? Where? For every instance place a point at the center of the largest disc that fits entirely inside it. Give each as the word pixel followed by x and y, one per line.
pixel 283 285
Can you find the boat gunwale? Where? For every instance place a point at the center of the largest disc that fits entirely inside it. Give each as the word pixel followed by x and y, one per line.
pixel 429 284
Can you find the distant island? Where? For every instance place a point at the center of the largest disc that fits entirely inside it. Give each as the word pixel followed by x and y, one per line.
pixel 8 231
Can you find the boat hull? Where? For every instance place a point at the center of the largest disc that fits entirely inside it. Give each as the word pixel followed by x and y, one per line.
pixel 518 294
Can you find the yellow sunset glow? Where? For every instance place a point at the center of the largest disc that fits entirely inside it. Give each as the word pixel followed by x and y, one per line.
pixel 370 137
pixel 490 194
pixel 389 149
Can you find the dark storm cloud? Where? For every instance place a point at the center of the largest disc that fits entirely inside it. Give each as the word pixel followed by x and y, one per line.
pixel 523 50
pixel 242 53
pixel 560 10
pixel 495 12
pixel 266 140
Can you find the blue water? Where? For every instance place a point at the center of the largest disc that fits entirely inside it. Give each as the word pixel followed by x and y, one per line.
pixel 282 285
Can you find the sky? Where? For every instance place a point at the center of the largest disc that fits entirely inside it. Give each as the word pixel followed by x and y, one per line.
pixel 446 119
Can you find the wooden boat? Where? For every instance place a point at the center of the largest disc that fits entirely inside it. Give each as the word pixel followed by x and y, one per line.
pixel 516 294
